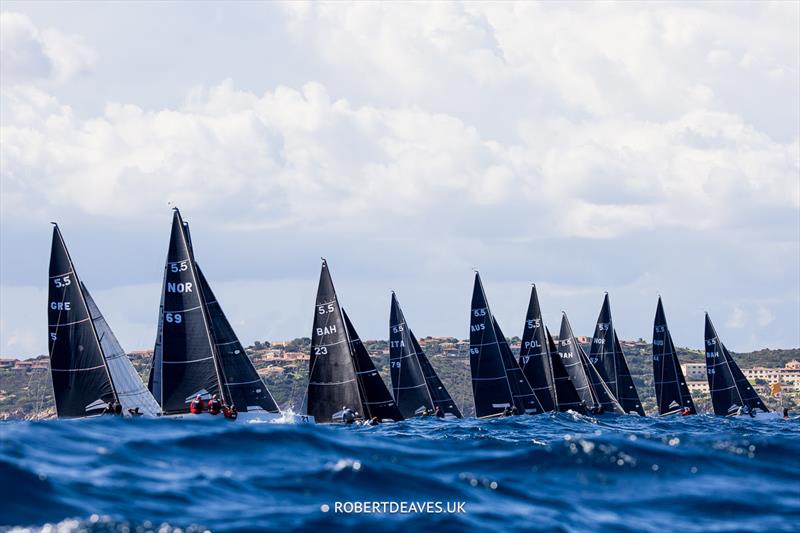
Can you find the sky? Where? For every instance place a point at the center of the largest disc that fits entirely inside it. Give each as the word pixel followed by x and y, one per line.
pixel 634 148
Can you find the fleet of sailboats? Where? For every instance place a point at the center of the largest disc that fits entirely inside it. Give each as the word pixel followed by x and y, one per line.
pixel 198 360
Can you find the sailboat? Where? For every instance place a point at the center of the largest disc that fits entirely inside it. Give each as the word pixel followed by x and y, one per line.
pixel 416 386
pixel 672 393
pixel 89 368
pixel 534 355
pixel 341 374
pixel 197 353
pixel 590 386
pixel 566 397
pixel 608 359
pixel 731 392
pixel 497 380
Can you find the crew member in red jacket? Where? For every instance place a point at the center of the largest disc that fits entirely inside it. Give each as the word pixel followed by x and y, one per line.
pixel 196 407
pixel 214 405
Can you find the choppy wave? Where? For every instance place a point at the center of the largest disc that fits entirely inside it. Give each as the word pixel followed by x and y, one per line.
pixel 547 472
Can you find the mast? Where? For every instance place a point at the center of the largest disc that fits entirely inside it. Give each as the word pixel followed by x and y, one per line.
pixel 331 378
pixel 534 358
pixel 375 397
pixel 490 387
pixel 82 383
pixel 408 380
pixel 672 393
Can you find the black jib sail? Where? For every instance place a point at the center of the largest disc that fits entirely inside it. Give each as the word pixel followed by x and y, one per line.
pixel 408 380
pixel 566 396
pixel 489 382
pixel 731 392
pixel 243 387
pixel 534 356
pixel 572 359
pixel 627 394
pixel 88 366
pixel 441 398
pixel 184 363
pixel 672 393
pixel 332 381
pixel 376 401
pixel 524 398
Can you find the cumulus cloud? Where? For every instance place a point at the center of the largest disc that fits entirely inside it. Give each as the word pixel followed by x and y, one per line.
pixel 28 54
pixel 590 146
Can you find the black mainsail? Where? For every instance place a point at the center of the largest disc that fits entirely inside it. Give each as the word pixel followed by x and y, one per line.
pixel 524 398
pixel 609 360
pixel 376 401
pixel 730 389
pixel 184 359
pixel 243 386
pixel 565 394
pixel 534 356
pixel 332 382
pixel 88 366
pixel 672 393
pixel 408 380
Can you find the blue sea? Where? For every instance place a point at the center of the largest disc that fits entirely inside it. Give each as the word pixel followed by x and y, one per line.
pixel 533 473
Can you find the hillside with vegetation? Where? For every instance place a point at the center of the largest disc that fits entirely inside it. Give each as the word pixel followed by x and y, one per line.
pixel 28 393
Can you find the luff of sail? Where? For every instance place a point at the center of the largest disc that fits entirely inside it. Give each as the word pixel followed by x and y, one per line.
pixel 490 388
pixel 331 378
pixel 185 346
pixel 82 385
pixel 131 392
pixel 376 401
pixel 730 390
pixel 242 385
pixel 566 396
pixel 524 398
pixel 672 393
pixel 534 356
pixel 408 380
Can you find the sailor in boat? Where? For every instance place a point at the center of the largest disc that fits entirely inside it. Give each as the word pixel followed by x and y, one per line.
pixel 348 416
pixel 135 411
pixel 686 411
pixel 786 413
pixel 598 410
pixel 196 407
pixel 374 421
pixel 425 412
pixel 214 405
pixel 438 413
pixel 230 412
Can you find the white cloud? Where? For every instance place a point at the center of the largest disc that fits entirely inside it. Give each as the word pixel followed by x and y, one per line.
pixel 28 54
pixel 581 144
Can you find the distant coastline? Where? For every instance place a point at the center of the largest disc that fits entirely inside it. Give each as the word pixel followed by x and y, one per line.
pixel 26 393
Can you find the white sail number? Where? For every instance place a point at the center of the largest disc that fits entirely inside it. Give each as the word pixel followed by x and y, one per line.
pixel 173 318
pixel 320 350
pixel 479 312
pixel 61 306
pixel 395 364
pixel 183 266
pixel 323 309
pixel 534 323
pixel 63 281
